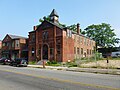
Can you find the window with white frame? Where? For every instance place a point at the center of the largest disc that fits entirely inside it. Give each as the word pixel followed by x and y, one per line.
pixel 17 43
pixel 69 33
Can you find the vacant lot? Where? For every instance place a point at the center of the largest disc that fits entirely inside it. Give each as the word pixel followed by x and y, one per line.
pixel 103 64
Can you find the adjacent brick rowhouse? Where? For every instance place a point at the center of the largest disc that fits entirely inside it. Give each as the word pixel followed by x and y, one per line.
pixel 51 41
pixel 14 47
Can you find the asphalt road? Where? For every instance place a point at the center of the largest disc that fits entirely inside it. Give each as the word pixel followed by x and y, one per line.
pixel 25 78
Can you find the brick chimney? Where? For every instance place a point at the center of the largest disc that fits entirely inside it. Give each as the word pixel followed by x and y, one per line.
pixel 34 27
pixel 78 28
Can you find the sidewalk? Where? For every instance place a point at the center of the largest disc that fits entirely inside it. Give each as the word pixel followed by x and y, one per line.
pixel 77 69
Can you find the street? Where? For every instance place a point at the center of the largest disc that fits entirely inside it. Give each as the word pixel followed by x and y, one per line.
pixel 26 78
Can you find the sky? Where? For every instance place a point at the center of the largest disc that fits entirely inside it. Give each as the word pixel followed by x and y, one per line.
pixel 18 17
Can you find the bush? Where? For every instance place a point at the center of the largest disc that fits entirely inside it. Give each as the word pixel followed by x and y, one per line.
pixel 32 62
pixel 53 63
pixel 71 64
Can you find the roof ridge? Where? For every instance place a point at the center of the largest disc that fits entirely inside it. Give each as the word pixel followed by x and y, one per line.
pixel 16 36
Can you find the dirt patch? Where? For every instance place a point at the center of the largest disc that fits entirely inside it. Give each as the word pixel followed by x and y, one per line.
pixel 103 64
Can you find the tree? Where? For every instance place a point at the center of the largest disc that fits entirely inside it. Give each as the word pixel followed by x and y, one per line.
pixel 44 18
pixel 74 28
pixel 48 19
pixel 102 34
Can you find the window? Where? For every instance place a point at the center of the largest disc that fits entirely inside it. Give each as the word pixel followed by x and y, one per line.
pixel 90 43
pixel 84 41
pixel 7 37
pixel 81 50
pixel 69 33
pixel 13 44
pixel 45 35
pixel 58 49
pixel 51 51
pixel 3 44
pixel 74 50
pixel 78 51
pixel 90 52
pixel 17 43
pixel 78 39
pixel 39 51
pixel 87 42
pixel 33 37
pixel 87 51
pixel 81 40
pixel 33 51
pixel 93 51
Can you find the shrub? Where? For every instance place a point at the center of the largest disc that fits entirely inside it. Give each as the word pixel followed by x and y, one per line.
pixel 32 62
pixel 53 63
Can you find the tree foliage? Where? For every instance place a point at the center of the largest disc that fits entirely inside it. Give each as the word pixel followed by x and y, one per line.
pixel 74 28
pixel 44 18
pixel 48 19
pixel 102 34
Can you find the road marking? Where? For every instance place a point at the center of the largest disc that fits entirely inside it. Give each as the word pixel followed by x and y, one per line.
pixel 66 81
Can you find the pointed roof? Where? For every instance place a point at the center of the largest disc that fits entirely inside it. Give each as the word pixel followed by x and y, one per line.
pixel 16 37
pixel 54 13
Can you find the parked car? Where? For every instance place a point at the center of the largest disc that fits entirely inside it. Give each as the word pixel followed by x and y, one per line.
pixel 115 54
pixel 19 62
pixel 3 60
pixel 9 61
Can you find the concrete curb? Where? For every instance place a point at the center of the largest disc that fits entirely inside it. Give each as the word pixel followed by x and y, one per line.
pixel 76 69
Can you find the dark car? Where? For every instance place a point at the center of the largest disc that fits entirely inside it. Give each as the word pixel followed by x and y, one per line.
pixel 5 61
pixel 19 62
pixel 9 61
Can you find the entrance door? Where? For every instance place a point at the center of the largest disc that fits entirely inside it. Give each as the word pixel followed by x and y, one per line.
pixel 45 52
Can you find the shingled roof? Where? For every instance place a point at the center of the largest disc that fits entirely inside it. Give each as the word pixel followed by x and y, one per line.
pixel 16 37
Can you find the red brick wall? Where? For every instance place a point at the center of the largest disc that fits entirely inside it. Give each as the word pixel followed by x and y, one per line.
pixel 68 47
pixel 32 44
pixel 62 45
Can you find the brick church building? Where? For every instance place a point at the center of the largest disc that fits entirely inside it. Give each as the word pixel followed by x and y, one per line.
pixel 51 41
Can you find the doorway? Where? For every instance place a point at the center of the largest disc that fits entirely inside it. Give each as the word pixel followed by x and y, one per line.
pixel 45 52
